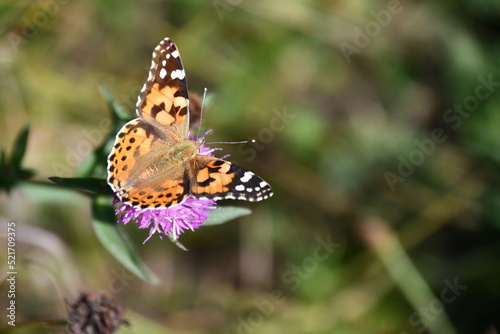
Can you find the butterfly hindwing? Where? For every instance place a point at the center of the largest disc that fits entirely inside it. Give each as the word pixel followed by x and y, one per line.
pixel 213 178
pixel 158 193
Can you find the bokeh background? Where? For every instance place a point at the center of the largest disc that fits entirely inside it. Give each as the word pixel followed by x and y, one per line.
pixel 376 122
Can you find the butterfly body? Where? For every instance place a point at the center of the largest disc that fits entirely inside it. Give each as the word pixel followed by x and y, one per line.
pixel 176 158
pixel 153 164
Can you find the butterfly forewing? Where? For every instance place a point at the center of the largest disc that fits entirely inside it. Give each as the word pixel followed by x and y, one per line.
pixel 163 100
pixel 138 171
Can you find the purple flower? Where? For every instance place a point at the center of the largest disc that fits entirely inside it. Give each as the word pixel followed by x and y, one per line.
pixel 174 220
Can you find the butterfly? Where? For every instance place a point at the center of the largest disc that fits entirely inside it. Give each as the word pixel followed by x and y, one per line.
pixel 153 164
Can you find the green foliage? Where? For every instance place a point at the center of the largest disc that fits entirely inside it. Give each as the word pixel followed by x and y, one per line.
pixel 92 185
pixel 11 170
pixel 116 241
pixel 226 214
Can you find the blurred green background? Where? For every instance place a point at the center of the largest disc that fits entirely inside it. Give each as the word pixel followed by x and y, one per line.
pixel 377 124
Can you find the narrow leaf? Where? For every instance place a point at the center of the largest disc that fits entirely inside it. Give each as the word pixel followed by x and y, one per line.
pixel 225 214
pixel 98 186
pixel 19 147
pixel 119 113
pixel 116 241
pixel 96 161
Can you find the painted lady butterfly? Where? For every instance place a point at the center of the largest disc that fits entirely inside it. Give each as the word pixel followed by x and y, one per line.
pixel 153 164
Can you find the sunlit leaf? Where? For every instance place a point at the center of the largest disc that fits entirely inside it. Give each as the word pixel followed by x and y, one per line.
pixel 225 214
pixel 116 241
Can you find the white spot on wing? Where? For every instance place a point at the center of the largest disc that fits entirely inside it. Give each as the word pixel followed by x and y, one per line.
pixel 177 74
pixel 263 184
pixel 247 176
pixel 175 54
pixel 163 73
pixel 239 187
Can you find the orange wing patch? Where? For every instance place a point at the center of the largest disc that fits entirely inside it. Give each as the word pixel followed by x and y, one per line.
pixel 133 143
pixel 162 105
pixel 120 160
pixel 213 178
pixel 170 192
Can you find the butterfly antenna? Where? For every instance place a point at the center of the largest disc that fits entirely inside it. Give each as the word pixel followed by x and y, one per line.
pixel 201 111
pixel 232 142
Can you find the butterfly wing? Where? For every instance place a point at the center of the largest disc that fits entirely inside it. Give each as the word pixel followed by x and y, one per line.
pixel 216 179
pixel 163 101
pixel 138 171
pixel 139 168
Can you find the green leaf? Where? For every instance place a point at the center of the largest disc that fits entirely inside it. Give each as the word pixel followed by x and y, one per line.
pixel 98 186
pixel 3 158
pixel 10 168
pixel 89 164
pixel 19 148
pixel 119 113
pixel 95 162
pixel 225 214
pixel 116 241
